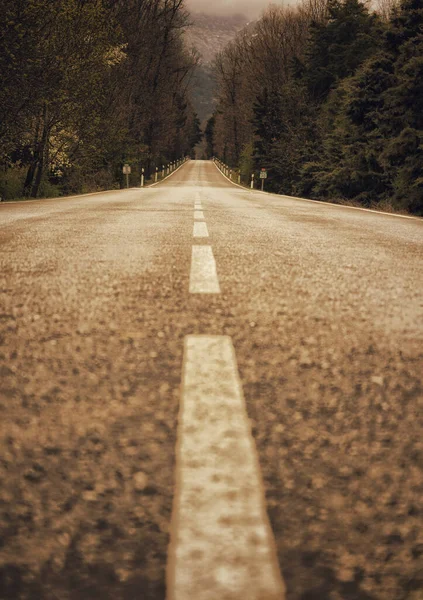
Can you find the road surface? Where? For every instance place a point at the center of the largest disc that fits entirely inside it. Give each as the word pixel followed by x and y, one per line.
pixel 304 320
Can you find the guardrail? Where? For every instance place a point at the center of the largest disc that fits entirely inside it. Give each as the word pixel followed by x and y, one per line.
pixel 231 174
pixel 165 171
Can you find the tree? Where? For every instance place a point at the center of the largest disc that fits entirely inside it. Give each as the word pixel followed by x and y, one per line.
pixel 374 151
pixel 209 135
pixel 57 77
pixel 259 58
pixel 268 128
pixel 331 97
pixel 246 162
pixel 88 85
pixel 339 46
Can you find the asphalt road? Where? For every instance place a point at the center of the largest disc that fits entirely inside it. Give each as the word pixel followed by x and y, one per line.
pixel 324 306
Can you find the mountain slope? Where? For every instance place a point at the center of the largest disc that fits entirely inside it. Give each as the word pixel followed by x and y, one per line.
pixel 209 34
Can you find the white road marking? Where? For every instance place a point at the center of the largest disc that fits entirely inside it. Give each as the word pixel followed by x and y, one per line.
pixel 198 215
pixel 200 230
pixel 198 206
pixel 203 276
pixel 222 547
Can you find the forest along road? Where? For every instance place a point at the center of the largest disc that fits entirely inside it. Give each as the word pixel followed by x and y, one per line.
pixel 299 322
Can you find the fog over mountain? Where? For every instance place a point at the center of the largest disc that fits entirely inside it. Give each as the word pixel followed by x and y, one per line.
pixel 209 34
pixel 249 8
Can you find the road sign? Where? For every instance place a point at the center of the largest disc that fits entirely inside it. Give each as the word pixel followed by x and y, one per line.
pixel 263 174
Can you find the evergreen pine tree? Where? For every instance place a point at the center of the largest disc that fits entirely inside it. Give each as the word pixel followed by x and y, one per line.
pixel 268 128
pixel 339 45
pixel 382 116
pixel 209 136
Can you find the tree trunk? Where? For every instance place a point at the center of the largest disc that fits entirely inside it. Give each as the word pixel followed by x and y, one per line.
pixel 33 166
pixel 41 154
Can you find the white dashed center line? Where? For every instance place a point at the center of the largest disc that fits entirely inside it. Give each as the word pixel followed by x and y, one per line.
pixel 222 547
pixel 198 215
pixel 203 276
pixel 200 230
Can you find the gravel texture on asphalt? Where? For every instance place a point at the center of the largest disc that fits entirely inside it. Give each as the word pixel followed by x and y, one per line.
pixel 325 308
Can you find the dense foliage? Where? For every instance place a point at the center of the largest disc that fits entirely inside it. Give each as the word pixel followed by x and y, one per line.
pixel 329 97
pixel 88 85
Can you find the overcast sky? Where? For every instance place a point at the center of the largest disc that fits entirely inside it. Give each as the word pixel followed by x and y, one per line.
pixel 249 8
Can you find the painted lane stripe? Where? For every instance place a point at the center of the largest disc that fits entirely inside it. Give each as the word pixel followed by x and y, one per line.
pixel 221 546
pixel 197 206
pixel 200 230
pixel 198 215
pixel 203 276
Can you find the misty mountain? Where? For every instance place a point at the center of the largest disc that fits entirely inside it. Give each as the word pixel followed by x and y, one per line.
pixel 249 8
pixel 209 34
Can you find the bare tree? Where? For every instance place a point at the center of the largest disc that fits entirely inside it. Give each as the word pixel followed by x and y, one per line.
pixel 386 8
pixel 261 57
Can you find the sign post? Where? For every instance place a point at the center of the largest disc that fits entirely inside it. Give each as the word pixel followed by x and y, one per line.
pixel 263 176
pixel 126 171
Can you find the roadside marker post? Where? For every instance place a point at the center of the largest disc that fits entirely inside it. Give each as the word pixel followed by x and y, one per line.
pixel 126 171
pixel 142 177
pixel 252 181
pixel 156 174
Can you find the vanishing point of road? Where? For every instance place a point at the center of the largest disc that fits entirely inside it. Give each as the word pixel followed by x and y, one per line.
pixel 209 393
